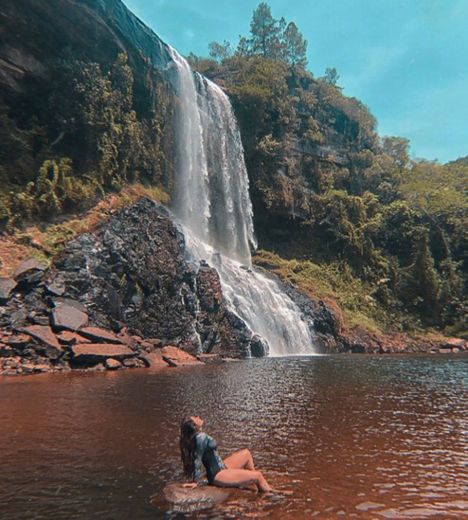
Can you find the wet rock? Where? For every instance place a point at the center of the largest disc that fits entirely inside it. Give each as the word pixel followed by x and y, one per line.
pixel 133 363
pixel 445 350
pixel 96 352
pixel 258 346
pixel 209 290
pixel 7 285
pixel 133 272
pixel 175 357
pixel 154 359
pixel 112 364
pixel 67 317
pixel 193 499
pixel 454 343
pixel 47 338
pixel 100 335
pixel 30 272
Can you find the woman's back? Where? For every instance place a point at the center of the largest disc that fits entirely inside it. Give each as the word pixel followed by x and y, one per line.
pixel 206 453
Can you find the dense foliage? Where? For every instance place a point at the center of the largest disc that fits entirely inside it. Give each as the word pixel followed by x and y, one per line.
pixel 327 189
pixel 330 196
pixel 82 134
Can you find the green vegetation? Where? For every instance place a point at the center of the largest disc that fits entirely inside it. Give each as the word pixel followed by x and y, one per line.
pixel 338 210
pixel 80 137
pixel 342 206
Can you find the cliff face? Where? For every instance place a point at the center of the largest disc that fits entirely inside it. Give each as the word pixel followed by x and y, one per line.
pixel 34 32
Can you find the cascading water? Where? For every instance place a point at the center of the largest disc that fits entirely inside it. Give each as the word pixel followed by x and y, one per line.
pixel 212 201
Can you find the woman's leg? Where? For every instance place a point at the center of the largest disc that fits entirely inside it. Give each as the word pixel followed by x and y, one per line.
pixel 241 459
pixel 241 478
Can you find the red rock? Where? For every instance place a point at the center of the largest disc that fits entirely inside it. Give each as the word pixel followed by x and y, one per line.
pixel 113 364
pixel 454 343
pixel 176 357
pixel 29 268
pixel 45 335
pixel 68 317
pixel 101 335
pixel 154 360
pixel 100 352
pixel 28 368
pixel 71 338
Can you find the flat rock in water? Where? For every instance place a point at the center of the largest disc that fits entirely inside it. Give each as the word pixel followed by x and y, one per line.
pixel 154 360
pixel 113 364
pixel 101 335
pixel 68 317
pixel 6 288
pixel 100 352
pixel 176 357
pixel 195 498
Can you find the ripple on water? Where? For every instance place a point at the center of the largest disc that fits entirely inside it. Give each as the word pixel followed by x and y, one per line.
pixel 351 436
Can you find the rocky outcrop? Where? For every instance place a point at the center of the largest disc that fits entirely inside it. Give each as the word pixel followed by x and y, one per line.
pixel 134 272
pixel 127 290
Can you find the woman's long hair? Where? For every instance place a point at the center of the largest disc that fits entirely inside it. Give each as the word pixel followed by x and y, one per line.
pixel 188 431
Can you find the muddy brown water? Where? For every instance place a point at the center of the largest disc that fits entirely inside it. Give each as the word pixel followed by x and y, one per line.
pixel 350 436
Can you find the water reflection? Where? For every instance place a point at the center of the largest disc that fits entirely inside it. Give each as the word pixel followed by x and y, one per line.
pixel 352 436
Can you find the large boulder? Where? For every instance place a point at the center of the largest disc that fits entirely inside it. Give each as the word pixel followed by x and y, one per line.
pixel 133 272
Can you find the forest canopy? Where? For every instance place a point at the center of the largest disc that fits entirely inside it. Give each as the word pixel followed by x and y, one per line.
pixel 337 192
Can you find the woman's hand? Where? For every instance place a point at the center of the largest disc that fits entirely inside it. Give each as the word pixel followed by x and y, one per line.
pixel 190 485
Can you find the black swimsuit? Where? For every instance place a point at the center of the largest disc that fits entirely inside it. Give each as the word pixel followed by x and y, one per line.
pixel 206 454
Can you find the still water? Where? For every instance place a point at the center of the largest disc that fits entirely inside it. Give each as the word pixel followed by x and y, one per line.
pixel 350 436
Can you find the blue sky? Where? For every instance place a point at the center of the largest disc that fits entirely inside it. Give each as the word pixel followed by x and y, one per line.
pixel 406 59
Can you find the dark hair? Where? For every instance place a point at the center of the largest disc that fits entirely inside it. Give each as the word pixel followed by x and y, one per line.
pixel 188 431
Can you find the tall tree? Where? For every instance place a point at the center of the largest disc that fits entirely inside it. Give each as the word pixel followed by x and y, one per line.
pixel 331 76
pixel 265 32
pixel 397 148
pixel 220 51
pixel 295 46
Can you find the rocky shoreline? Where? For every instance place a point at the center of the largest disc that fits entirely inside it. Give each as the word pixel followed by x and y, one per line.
pixel 127 295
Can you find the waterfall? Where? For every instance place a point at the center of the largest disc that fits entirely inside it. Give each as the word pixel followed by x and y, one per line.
pixel 213 204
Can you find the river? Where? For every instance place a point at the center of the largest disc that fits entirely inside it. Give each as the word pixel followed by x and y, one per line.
pixel 351 436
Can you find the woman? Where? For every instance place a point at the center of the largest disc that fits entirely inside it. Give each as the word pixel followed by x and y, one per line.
pixel 199 449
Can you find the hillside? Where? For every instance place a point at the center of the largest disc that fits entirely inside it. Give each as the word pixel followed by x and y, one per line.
pixel 86 106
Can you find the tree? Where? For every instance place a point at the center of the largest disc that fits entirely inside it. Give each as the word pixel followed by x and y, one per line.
pixel 331 76
pixel 265 31
pixel 243 47
pixel 220 51
pixel 295 46
pixel 398 149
